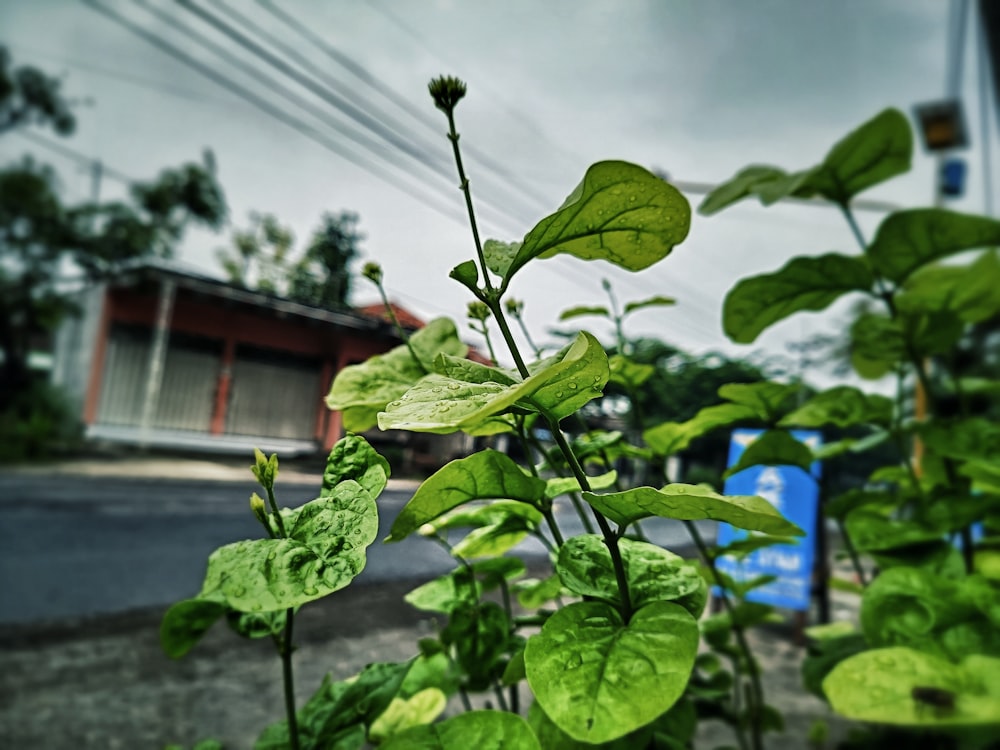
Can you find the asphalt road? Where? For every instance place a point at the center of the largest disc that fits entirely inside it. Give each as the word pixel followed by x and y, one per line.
pixel 79 546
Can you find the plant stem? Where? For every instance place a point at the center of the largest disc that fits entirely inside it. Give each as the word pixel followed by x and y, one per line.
pixel 274 509
pixel 527 336
pixel 853 553
pixel 508 337
pixel 395 321
pixel 756 696
pixel 968 551
pixel 550 519
pixel 610 538
pixel 741 736
pixel 286 674
pixel 574 497
pixel 501 698
pixel 492 299
pixel 845 209
pixel 485 333
pixel 464 187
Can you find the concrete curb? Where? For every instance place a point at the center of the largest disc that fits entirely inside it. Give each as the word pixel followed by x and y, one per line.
pixel 185 469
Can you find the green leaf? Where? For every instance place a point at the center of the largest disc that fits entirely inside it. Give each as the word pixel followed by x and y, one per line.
pixel 773 448
pixel 740 548
pixel 871 531
pixel 353 458
pixel 688 502
pixel 628 373
pixel 841 406
pixel 620 213
pixel 876 151
pixel 962 439
pixel 186 622
pixel 480 637
pixel 877 345
pixel 445 593
pixel 467 274
pixel 770 184
pixel 487 475
pixel 324 552
pixel 551 737
pixel 598 678
pixel 441 405
pixel 906 687
pixel 758 302
pixel 336 715
pixel 581 310
pixel 907 606
pixel 765 397
pixel 256 624
pixel 419 709
pixel 499 256
pixel 672 437
pixel 494 540
pixel 463 586
pixel 482 730
pixel 653 573
pixel 361 391
pixel 907 240
pixel 843 504
pixel 656 301
pixel 556 486
pixel 971 292
pixel 532 593
pixel 459 368
pixel 490 514
pixel 827 653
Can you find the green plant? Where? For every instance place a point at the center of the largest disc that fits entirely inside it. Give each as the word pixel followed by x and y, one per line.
pixel 607 644
pixel 613 668
pixel 927 653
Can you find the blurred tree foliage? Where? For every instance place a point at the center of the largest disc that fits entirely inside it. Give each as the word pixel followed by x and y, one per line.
pixel 45 242
pixel 683 384
pixel 262 257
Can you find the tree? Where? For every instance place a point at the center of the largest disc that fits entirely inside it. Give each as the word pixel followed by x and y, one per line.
pixel 30 97
pixel 322 277
pixel 260 255
pixel 262 258
pixel 41 237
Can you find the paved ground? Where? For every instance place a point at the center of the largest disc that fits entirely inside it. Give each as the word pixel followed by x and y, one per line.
pixel 103 683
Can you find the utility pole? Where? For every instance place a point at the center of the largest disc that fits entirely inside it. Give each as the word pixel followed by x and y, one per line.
pixel 96 174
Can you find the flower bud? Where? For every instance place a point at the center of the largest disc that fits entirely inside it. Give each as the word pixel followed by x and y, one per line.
pixel 258 508
pixel 514 307
pixel 478 311
pixel 446 91
pixel 372 272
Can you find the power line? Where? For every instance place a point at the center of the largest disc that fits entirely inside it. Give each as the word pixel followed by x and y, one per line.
pixel 516 113
pixel 306 64
pixel 120 75
pixel 262 104
pixel 389 93
pixel 76 156
pixel 331 98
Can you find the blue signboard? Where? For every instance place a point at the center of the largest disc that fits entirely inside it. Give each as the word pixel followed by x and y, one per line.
pixel 795 494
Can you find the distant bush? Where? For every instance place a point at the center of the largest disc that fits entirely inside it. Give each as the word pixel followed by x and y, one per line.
pixel 41 420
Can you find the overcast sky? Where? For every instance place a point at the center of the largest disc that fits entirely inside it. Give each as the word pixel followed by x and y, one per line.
pixel 695 88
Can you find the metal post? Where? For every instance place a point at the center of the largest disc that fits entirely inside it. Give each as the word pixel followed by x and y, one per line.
pixel 157 358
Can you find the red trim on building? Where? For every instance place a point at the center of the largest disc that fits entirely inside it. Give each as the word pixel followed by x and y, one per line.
pixel 223 383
